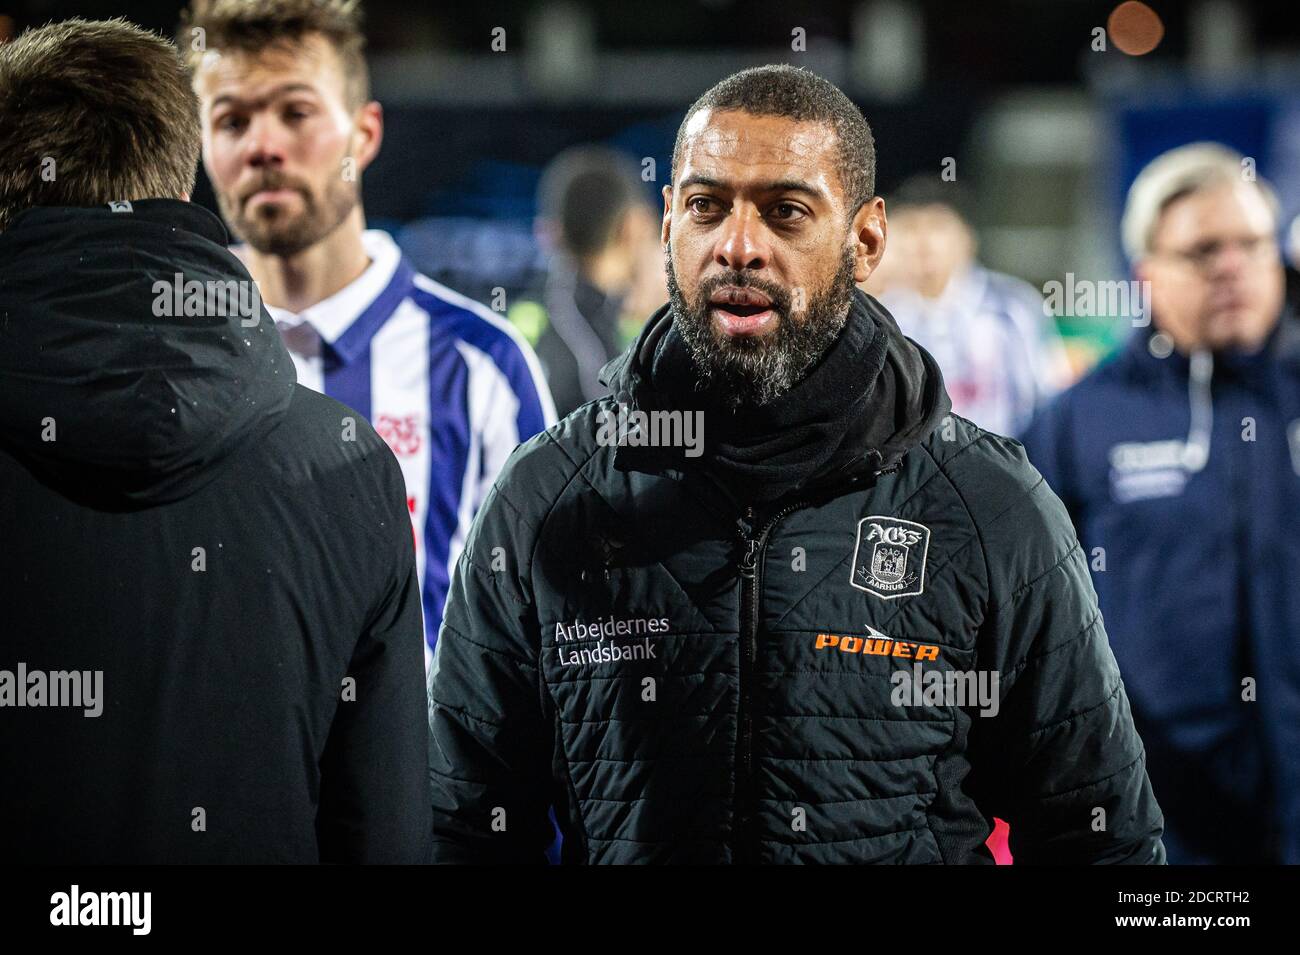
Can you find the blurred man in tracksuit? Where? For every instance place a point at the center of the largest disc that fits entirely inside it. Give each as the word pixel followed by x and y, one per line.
pixel 288 129
pixel 603 275
pixel 1179 460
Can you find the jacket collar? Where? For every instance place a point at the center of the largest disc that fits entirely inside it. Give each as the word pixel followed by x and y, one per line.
pixel 174 213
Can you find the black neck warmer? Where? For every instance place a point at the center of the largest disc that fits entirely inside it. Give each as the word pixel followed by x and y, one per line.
pixel 869 398
pixel 778 446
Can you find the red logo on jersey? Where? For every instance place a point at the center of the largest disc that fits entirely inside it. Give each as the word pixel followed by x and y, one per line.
pixel 402 434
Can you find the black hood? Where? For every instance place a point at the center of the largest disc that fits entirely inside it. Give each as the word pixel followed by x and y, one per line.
pixel 902 400
pixel 141 406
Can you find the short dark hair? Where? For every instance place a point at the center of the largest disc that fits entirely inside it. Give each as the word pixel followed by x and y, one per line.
pixel 94 111
pixel 251 26
pixel 798 94
pixel 583 192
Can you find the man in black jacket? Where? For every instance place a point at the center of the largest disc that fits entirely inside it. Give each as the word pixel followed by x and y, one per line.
pixel 602 237
pixel 769 602
pixel 212 634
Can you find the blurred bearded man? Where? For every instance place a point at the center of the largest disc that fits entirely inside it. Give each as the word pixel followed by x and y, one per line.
pixel 288 128
pixel 711 599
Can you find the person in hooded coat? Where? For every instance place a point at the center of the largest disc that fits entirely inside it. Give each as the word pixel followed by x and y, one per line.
pixel 769 601
pixel 212 638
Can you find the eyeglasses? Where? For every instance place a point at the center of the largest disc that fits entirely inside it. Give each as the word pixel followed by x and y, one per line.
pixel 1203 256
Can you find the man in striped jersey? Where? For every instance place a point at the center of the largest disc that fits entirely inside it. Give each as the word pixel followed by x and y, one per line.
pixel 1000 354
pixel 288 127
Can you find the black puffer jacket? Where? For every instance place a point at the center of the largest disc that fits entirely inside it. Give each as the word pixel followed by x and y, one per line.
pixel 688 679
pixel 222 546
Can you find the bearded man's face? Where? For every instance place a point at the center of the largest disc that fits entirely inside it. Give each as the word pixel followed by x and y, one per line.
pixel 762 251
pixel 750 367
pixel 278 143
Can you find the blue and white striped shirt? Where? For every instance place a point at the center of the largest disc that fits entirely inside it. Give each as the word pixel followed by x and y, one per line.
pixel 452 388
pixel 1001 357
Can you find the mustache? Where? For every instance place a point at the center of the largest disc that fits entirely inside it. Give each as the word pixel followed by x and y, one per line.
pixel 272 179
pixel 779 295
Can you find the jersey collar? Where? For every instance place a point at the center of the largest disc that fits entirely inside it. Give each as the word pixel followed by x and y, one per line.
pixel 348 319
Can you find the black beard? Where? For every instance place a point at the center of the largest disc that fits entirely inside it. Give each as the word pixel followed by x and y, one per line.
pixel 756 371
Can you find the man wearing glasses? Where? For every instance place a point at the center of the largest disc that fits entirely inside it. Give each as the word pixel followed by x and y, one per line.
pixel 1179 460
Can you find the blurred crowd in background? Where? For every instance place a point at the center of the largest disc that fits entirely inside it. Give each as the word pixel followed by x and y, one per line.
pixel 1025 122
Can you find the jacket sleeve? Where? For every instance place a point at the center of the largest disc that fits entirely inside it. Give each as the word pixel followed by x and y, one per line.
pixel 491 742
pixel 374 781
pixel 1060 761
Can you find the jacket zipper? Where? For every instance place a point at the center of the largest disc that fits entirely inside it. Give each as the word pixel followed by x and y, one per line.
pixel 751 584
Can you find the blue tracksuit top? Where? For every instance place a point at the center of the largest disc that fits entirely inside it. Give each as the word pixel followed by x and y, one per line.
pixel 1182 475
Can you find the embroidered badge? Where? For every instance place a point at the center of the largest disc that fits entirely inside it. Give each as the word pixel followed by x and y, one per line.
pixel 889 558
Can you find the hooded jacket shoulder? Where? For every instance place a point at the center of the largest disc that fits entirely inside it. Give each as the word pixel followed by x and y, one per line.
pixel 138 350
pixel 331 461
pixel 227 552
